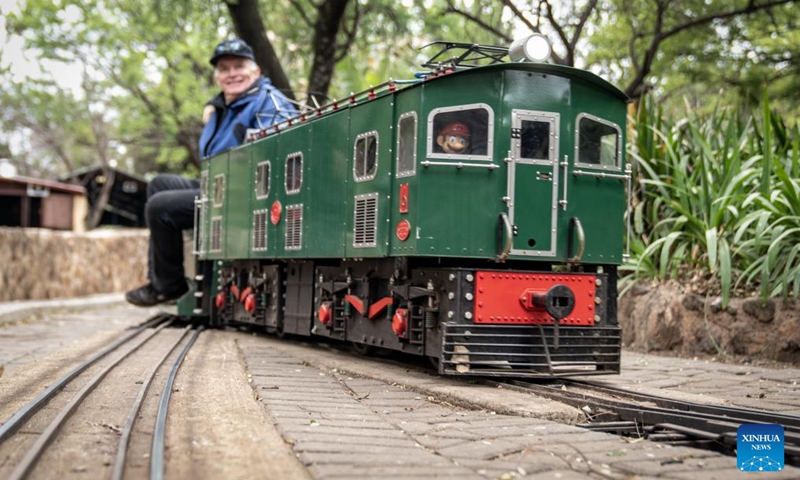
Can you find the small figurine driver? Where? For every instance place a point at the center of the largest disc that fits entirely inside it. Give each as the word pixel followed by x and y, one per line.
pixel 454 138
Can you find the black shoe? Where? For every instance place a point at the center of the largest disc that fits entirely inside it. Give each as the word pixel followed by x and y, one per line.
pixel 147 295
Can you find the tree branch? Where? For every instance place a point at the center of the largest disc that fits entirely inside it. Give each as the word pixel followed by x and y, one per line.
pixel 451 8
pixel 635 86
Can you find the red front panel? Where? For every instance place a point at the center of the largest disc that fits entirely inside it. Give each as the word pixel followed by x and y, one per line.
pixel 504 298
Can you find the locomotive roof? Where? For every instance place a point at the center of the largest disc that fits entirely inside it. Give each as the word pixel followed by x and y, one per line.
pixel 561 70
pixel 392 86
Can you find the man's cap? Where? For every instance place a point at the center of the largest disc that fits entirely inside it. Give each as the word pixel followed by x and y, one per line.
pixel 455 128
pixel 235 47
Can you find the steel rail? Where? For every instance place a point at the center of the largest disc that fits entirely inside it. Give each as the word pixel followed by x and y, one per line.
pixel 715 423
pixel 24 467
pixel 124 441
pixel 157 451
pixel 750 414
pixel 10 426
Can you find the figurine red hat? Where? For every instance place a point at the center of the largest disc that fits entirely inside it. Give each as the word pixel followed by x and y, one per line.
pixel 455 128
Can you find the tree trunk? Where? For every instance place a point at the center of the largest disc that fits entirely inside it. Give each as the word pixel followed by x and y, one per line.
pixel 250 28
pixel 326 28
pixel 96 214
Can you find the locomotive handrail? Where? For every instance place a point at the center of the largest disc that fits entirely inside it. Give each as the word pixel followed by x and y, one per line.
pixel 509 237
pixel 198 230
pixel 459 165
pixel 582 173
pixel 575 224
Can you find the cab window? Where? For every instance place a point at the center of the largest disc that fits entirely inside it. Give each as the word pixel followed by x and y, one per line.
pixel 262 180
pixel 463 132
pixel 534 140
pixel 366 156
pixel 598 143
pixel 294 173
pixel 406 144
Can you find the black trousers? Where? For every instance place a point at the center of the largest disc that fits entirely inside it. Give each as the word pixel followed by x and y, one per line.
pixel 169 211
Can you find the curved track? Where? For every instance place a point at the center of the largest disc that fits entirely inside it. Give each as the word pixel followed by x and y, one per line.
pixel 656 418
pixel 123 348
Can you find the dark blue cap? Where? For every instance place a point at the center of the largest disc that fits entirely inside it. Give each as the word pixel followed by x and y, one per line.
pixel 235 47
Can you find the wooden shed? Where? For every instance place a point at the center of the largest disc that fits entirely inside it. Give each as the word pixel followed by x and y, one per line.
pixel 124 204
pixel 31 202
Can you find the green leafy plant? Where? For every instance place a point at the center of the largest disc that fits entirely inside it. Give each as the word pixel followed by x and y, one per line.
pixel 716 193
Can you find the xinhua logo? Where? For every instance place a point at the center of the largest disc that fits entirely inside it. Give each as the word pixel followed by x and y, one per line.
pixel 759 448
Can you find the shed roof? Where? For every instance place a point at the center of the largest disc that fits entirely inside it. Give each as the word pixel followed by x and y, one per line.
pixel 52 185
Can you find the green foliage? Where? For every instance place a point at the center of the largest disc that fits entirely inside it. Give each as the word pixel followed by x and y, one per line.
pixel 145 67
pixel 717 192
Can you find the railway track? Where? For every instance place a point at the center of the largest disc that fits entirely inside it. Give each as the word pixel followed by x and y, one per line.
pixel 54 407
pixel 661 419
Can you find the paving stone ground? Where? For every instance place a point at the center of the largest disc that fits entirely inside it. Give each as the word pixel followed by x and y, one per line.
pixel 706 380
pixel 355 417
pixel 349 417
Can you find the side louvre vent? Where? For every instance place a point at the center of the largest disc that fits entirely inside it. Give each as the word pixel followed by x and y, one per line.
pixel 216 234
pixel 294 227
pixel 365 224
pixel 260 230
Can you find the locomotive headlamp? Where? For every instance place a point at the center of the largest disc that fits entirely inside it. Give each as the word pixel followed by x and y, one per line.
pixel 535 48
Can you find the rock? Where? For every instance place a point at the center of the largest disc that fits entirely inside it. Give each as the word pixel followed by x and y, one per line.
pixel 716 305
pixel 763 313
pixel 693 302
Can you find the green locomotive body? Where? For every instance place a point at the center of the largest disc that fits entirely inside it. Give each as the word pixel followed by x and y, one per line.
pixel 351 222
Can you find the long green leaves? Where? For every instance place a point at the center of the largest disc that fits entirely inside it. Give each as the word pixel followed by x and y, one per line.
pixel 717 193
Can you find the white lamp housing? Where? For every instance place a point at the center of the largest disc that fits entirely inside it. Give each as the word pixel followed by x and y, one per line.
pixel 535 48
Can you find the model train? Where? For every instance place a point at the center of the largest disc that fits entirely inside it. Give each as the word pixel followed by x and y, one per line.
pixel 472 215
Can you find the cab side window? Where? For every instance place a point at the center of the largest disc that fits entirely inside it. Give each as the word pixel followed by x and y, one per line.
pixel 407 145
pixel 463 132
pixel 599 142
pixel 294 173
pixel 262 180
pixel 365 154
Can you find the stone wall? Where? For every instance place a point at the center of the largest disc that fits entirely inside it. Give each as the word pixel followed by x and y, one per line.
pixel 661 318
pixel 40 264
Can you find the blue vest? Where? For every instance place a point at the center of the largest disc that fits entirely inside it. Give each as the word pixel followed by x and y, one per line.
pixel 261 106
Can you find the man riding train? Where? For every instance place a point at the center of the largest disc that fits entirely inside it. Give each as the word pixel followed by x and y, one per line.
pixel 247 100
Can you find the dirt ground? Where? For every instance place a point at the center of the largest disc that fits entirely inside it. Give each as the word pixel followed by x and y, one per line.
pixel 668 319
pixel 216 427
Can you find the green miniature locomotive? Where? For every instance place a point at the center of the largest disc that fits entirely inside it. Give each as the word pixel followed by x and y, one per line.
pixel 473 216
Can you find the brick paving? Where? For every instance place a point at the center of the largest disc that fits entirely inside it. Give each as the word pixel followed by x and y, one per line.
pixel 343 425
pixel 743 385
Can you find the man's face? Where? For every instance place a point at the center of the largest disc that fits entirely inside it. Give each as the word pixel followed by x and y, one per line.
pixel 234 75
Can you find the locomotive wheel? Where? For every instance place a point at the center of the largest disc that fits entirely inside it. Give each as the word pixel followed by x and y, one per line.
pixel 364 349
